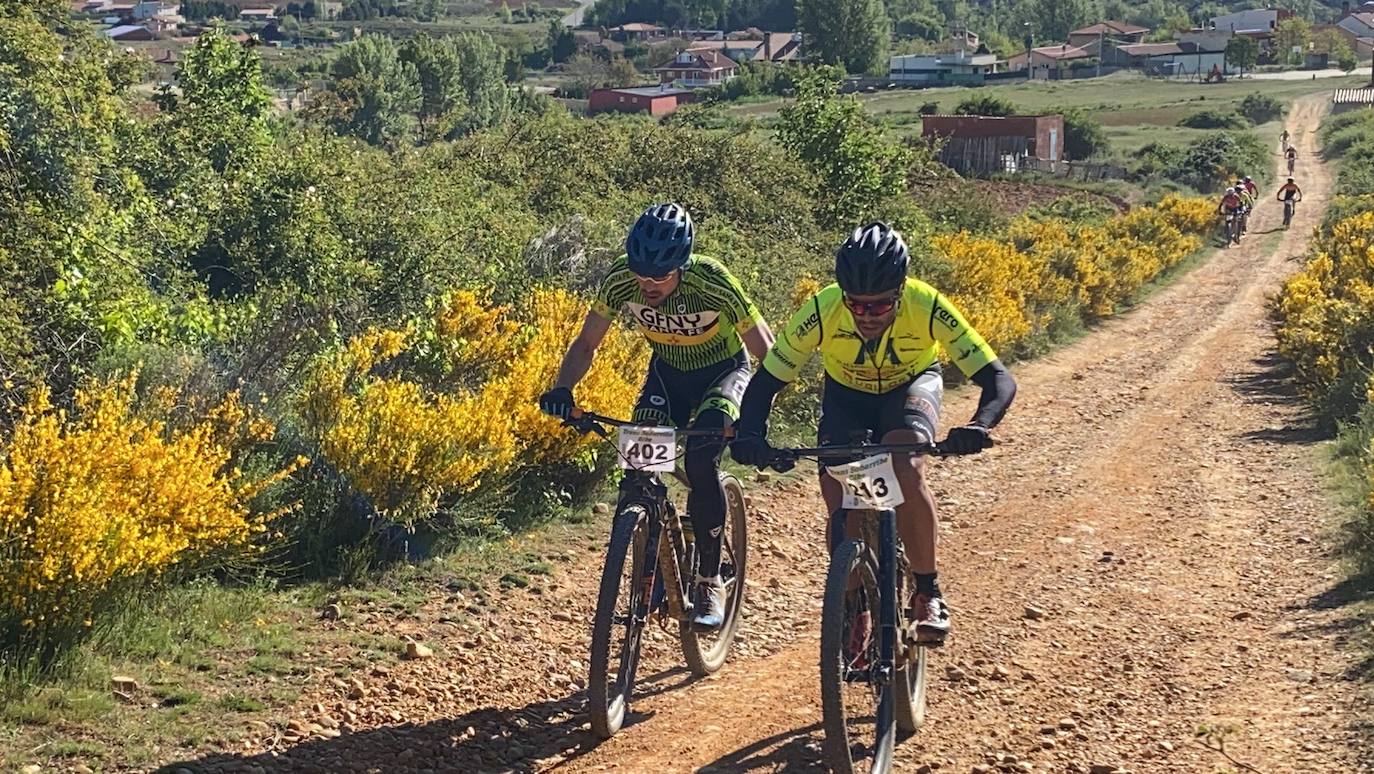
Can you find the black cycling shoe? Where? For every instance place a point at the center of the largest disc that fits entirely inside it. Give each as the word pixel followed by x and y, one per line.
pixel 931 615
pixel 709 611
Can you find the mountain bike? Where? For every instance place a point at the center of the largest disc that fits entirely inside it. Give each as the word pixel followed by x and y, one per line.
pixel 650 566
pixel 1289 206
pixel 867 580
pixel 1230 228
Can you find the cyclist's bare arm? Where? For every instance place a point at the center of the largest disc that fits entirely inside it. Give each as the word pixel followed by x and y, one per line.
pixel 758 340
pixel 580 352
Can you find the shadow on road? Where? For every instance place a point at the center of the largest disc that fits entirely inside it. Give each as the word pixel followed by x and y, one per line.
pixel 790 751
pixel 1270 381
pixel 485 739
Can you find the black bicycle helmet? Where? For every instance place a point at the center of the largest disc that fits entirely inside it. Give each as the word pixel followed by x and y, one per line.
pixel 660 242
pixel 872 260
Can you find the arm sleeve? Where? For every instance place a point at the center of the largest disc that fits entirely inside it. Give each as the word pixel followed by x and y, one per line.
pixel 757 403
pixel 969 351
pixel 998 391
pixel 796 342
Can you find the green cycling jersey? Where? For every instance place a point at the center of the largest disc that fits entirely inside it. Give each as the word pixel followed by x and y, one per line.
pixel 697 325
pixel 925 322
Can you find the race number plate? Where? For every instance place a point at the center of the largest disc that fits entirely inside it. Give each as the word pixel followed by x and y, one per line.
pixel 648 448
pixel 869 483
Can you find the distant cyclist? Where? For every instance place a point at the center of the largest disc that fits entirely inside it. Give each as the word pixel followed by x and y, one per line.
pixel 1251 188
pixel 1283 139
pixel 1292 155
pixel 1247 204
pixel 1231 205
pixel 1290 194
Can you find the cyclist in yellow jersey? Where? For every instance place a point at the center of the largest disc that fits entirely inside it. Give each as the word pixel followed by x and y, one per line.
pixel 879 333
pixel 699 324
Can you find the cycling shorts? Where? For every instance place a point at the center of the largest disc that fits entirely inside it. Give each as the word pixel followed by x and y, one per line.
pixel 913 406
pixel 672 396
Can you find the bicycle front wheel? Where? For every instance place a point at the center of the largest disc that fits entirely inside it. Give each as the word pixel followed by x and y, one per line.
pixel 856 710
pixel 909 682
pixel 617 629
pixel 706 652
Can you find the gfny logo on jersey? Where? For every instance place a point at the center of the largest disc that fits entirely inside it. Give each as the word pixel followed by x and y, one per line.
pixel 685 328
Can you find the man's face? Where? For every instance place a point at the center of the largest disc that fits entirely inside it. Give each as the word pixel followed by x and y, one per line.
pixel 655 289
pixel 873 313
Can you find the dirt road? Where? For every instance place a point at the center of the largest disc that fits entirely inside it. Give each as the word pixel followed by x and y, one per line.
pixel 1156 494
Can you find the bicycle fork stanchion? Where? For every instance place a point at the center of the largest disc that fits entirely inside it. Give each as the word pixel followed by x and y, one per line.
pixel 887 595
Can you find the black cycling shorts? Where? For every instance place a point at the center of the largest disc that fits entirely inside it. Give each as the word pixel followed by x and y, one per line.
pixel 673 396
pixel 914 406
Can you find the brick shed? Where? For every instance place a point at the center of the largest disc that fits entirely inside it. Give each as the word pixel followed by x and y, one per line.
pixel 654 100
pixel 993 144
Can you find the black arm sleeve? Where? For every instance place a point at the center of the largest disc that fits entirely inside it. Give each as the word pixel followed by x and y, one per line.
pixel 757 402
pixel 998 390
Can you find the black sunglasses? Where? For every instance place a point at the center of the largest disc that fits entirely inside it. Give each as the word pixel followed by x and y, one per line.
pixel 871 308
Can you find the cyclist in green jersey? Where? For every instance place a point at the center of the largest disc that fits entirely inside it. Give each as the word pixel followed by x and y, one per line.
pixel 700 324
pixel 879 333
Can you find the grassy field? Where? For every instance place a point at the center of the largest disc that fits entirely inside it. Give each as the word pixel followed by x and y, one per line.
pixel 1134 110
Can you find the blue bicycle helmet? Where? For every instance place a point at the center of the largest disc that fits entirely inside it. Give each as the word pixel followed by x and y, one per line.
pixel 660 242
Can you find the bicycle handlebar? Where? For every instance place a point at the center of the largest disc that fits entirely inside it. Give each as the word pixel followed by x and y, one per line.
pixel 850 451
pixel 589 422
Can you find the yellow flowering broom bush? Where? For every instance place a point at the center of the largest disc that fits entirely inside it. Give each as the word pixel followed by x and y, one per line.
pixel 408 441
pixel 1011 289
pixel 1326 311
pixel 112 492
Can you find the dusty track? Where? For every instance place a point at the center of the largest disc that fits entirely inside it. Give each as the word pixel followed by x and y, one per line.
pixel 1156 494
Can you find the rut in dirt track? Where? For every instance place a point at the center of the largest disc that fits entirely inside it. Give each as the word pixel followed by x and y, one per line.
pixel 1155 494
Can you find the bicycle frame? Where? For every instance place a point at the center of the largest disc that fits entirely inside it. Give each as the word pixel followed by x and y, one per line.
pixel 647 489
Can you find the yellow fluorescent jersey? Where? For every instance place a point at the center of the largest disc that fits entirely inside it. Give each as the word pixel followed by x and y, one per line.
pixel 925 321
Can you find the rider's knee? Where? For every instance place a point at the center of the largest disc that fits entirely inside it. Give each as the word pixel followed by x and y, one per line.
pixel 914 471
pixel 702 457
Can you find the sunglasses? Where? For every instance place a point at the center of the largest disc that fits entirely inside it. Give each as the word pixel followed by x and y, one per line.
pixel 870 308
pixel 664 280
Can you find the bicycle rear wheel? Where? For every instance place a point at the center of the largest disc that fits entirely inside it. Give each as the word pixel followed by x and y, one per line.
pixel 852 695
pixel 621 609
pixel 706 652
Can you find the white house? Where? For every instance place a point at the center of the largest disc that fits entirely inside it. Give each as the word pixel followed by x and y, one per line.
pixel 1261 19
pixel 955 67
pixel 147 9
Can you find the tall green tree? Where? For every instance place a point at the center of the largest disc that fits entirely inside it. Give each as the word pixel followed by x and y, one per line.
pixel 560 41
pixel 851 33
pixel 832 135
pixel 1293 33
pixel 439 71
pixel 375 95
pixel 481 68
pixel 1242 52
pixel 1053 20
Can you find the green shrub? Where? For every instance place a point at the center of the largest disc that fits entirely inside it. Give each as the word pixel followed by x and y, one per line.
pixel 1083 135
pixel 929 108
pixel 1214 119
pixel 1260 108
pixel 985 105
pixel 1206 165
